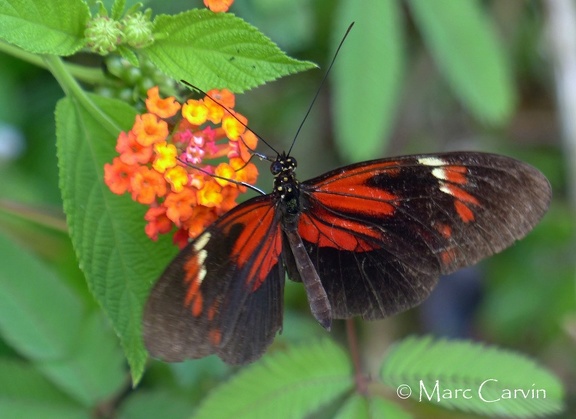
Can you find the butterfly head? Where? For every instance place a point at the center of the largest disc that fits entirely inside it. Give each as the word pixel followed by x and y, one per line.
pixel 283 165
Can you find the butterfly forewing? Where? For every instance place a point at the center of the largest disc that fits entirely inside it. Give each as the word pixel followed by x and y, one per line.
pixel 381 232
pixel 223 293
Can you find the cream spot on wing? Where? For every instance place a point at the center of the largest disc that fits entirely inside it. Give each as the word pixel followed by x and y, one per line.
pixel 440 173
pixel 444 188
pixel 201 274
pixel 201 257
pixel 431 161
pixel 201 241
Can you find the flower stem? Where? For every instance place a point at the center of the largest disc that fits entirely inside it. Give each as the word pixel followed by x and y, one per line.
pixel 75 92
pixel 361 381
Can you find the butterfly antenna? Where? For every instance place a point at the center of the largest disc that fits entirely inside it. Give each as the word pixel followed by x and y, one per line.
pixel 261 156
pixel 320 87
pixel 236 182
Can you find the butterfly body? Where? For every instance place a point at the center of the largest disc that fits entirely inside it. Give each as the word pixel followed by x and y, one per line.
pixel 368 240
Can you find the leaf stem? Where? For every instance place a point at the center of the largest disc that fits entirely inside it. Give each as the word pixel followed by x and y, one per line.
pixel 73 90
pixel 80 72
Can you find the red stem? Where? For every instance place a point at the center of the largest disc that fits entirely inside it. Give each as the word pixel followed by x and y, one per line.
pixel 361 382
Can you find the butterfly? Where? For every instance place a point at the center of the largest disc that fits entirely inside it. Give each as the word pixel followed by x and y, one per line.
pixel 370 240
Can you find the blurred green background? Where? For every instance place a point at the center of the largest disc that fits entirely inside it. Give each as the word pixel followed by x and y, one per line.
pixel 522 299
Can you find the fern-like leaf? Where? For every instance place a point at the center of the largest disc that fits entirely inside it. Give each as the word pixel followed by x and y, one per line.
pixel 471 377
pixel 290 384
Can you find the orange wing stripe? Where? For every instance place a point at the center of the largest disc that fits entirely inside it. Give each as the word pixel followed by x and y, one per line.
pixel 193 296
pixel 364 199
pixel 342 202
pixel 463 211
pixel 259 242
pixel 456 174
pixel 460 194
pixel 325 235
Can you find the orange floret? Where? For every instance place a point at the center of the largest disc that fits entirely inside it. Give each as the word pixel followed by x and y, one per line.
pixel 164 108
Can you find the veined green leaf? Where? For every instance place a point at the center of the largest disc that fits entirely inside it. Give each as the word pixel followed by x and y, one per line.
pixel 217 50
pixel 44 26
pixel 120 262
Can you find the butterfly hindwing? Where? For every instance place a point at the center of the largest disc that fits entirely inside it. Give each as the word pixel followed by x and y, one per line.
pixel 223 293
pixel 380 233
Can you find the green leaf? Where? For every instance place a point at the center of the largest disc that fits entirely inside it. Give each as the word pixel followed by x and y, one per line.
pixel 217 50
pixel 283 385
pixel 46 322
pixel 367 77
pixel 469 54
pixel 29 296
pixel 25 393
pixel 157 404
pixel 44 26
pixel 471 377
pixel 358 406
pixel 94 370
pixel 107 231
pixel 128 55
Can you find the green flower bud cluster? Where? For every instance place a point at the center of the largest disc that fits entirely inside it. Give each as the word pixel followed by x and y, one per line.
pixel 104 34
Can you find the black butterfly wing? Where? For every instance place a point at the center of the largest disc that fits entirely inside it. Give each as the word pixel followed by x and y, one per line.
pixel 223 294
pixel 380 233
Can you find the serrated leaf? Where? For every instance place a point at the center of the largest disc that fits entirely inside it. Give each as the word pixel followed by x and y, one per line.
pixel 44 26
pixel 367 77
pixel 107 231
pixel 467 51
pixel 45 321
pixel 217 50
pixel 24 392
pixel 283 385
pixel 472 377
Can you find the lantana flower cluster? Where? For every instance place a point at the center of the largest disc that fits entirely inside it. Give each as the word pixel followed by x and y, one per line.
pixel 179 159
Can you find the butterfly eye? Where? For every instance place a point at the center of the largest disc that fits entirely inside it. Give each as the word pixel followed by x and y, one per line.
pixel 276 167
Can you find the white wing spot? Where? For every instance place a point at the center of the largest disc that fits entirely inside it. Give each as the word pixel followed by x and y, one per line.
pixel 431 161
pixel 200 258
pixel 201 274
pixel 439 173
pixel 201 242
pixel 444 188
